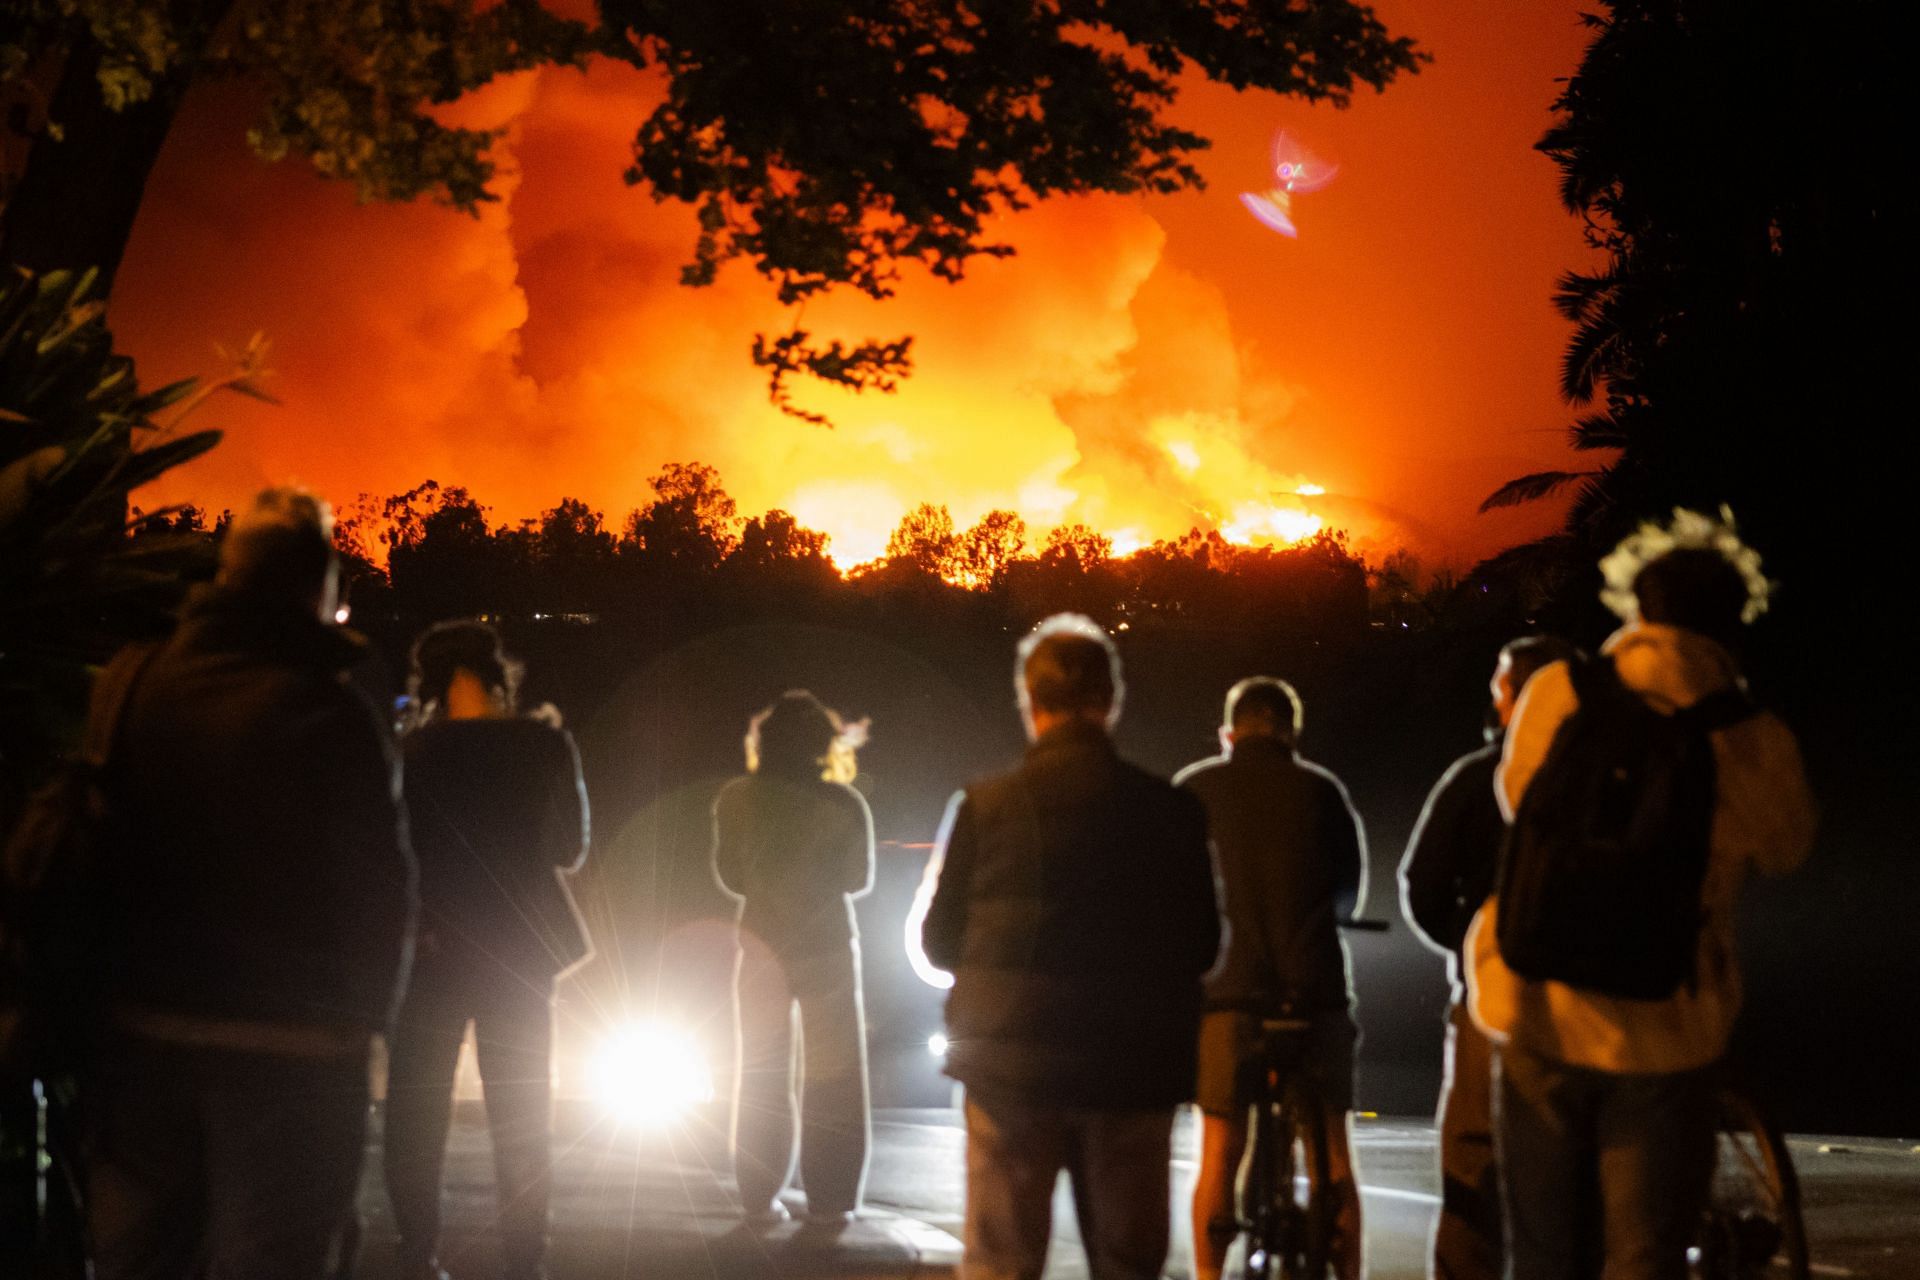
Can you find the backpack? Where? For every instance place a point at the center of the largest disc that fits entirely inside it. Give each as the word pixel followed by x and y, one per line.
pixel 51 947
pixel 1601 872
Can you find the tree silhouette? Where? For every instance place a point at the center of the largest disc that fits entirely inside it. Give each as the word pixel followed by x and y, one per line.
pixel 983 554
pixel 689 525
pixel 1721 350
pixel 826 142
pixel 925 540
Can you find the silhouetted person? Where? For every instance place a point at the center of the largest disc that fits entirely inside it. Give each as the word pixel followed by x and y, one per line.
pixel 1073 901
pixel 1602 1102
pixel 794 844
pixel 498 813
pixel 1444 879
pixel 262 909
pixel 1292 861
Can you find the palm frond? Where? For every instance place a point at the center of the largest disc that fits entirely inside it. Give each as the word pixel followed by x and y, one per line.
pixel 1531 488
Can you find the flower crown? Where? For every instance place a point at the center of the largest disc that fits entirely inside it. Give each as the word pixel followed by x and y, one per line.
pixel 1689 531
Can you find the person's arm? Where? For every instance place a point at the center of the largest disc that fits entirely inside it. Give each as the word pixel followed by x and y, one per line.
pixel 1344 838
pixel 1544 705
pixel 857 868
pixel 375 880
pixel 728 855
pixel 941 905
pixel 1430 871
pixel 567 828
pixel 1774 799
pixel 1196 899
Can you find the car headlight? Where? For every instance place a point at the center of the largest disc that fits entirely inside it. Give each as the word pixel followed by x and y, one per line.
pixel 647 1074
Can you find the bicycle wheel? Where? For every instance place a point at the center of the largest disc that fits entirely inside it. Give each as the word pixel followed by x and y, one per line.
pixel 1293 1218
pixel 1752 1217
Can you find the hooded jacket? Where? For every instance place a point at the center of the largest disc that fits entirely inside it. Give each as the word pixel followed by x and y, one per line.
pixel 1073 901
pixel 265 877
pixel 1763 821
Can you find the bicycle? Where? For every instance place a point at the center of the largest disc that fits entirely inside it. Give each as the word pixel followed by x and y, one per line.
pixel 1287 1210
pixel 1752 1218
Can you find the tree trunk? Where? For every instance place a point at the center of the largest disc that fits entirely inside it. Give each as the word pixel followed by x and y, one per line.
pixel 78 195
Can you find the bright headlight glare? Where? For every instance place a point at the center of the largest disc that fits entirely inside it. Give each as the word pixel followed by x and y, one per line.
pixel 937 1044
pixel 648 1074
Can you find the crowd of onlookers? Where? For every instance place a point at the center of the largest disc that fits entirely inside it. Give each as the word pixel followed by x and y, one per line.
pixel 282 891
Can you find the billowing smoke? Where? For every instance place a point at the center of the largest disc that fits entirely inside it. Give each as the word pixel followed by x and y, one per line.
pixel 546 349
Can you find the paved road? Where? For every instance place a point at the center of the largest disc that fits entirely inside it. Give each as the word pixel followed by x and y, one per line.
pixel 659 1206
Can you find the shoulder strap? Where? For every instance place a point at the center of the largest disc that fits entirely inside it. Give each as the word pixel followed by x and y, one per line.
pixel 108 705
pixel 1721 710
pixel 1594 677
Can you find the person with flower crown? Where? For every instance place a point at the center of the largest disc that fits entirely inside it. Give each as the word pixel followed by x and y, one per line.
pixel 1602 1100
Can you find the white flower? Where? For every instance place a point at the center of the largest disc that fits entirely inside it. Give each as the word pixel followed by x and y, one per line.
pixel 1689 531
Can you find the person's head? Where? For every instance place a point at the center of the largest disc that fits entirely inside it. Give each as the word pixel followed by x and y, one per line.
pixel 1693 573
pixel 1067 670
pixel 1262 707
pixel 800 737
pixel 279 551
pixel 1519 661
pixel 461 671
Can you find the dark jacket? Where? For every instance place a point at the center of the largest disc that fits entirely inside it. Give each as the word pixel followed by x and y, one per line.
pixel 498 811
pixel 1292 860
pixel 1449 866
pixel 796 853
pixel 1075 907
pixel 265 876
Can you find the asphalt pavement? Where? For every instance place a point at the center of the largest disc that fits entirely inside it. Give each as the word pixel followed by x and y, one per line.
pixel 659 1204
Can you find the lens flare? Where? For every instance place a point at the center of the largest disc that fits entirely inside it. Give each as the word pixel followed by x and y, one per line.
pixel 647 1075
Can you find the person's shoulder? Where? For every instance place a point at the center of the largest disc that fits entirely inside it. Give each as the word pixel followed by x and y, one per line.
pixel 1472 768
pixel 1321 778
pixel 734 792
pixel 1202 773
pixel 845 797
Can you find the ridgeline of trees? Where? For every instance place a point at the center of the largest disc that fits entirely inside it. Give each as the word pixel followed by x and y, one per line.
pixel 433 552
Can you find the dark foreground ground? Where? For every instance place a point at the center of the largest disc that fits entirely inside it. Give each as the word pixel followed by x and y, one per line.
pixel 661 1207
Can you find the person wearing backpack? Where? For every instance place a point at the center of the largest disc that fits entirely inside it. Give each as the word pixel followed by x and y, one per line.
pixel 1643 787
pixel 1445 877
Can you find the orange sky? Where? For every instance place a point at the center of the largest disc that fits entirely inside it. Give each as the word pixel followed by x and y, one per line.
pixel 1142 365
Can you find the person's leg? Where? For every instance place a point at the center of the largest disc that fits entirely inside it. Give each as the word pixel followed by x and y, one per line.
pixel 1543 1135
pixel 513 1036
pixel 144 1164
pixel 1349 1238
pixel 1014 1157
pixel 835 1130
pixel 423 1054
pixel 1216 1220
pixel 1467 1231
pixel 1329 1063
pixel 765 1124
pixel 1120 1163
pixel 1656 1161
pixel 285 1140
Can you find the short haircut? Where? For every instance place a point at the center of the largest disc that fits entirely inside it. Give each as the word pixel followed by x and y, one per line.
pixel 1529 654
pixel 1694 588
pixel 447 648
pixel 280 547
pixel 1267 702
pixel 1068 665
